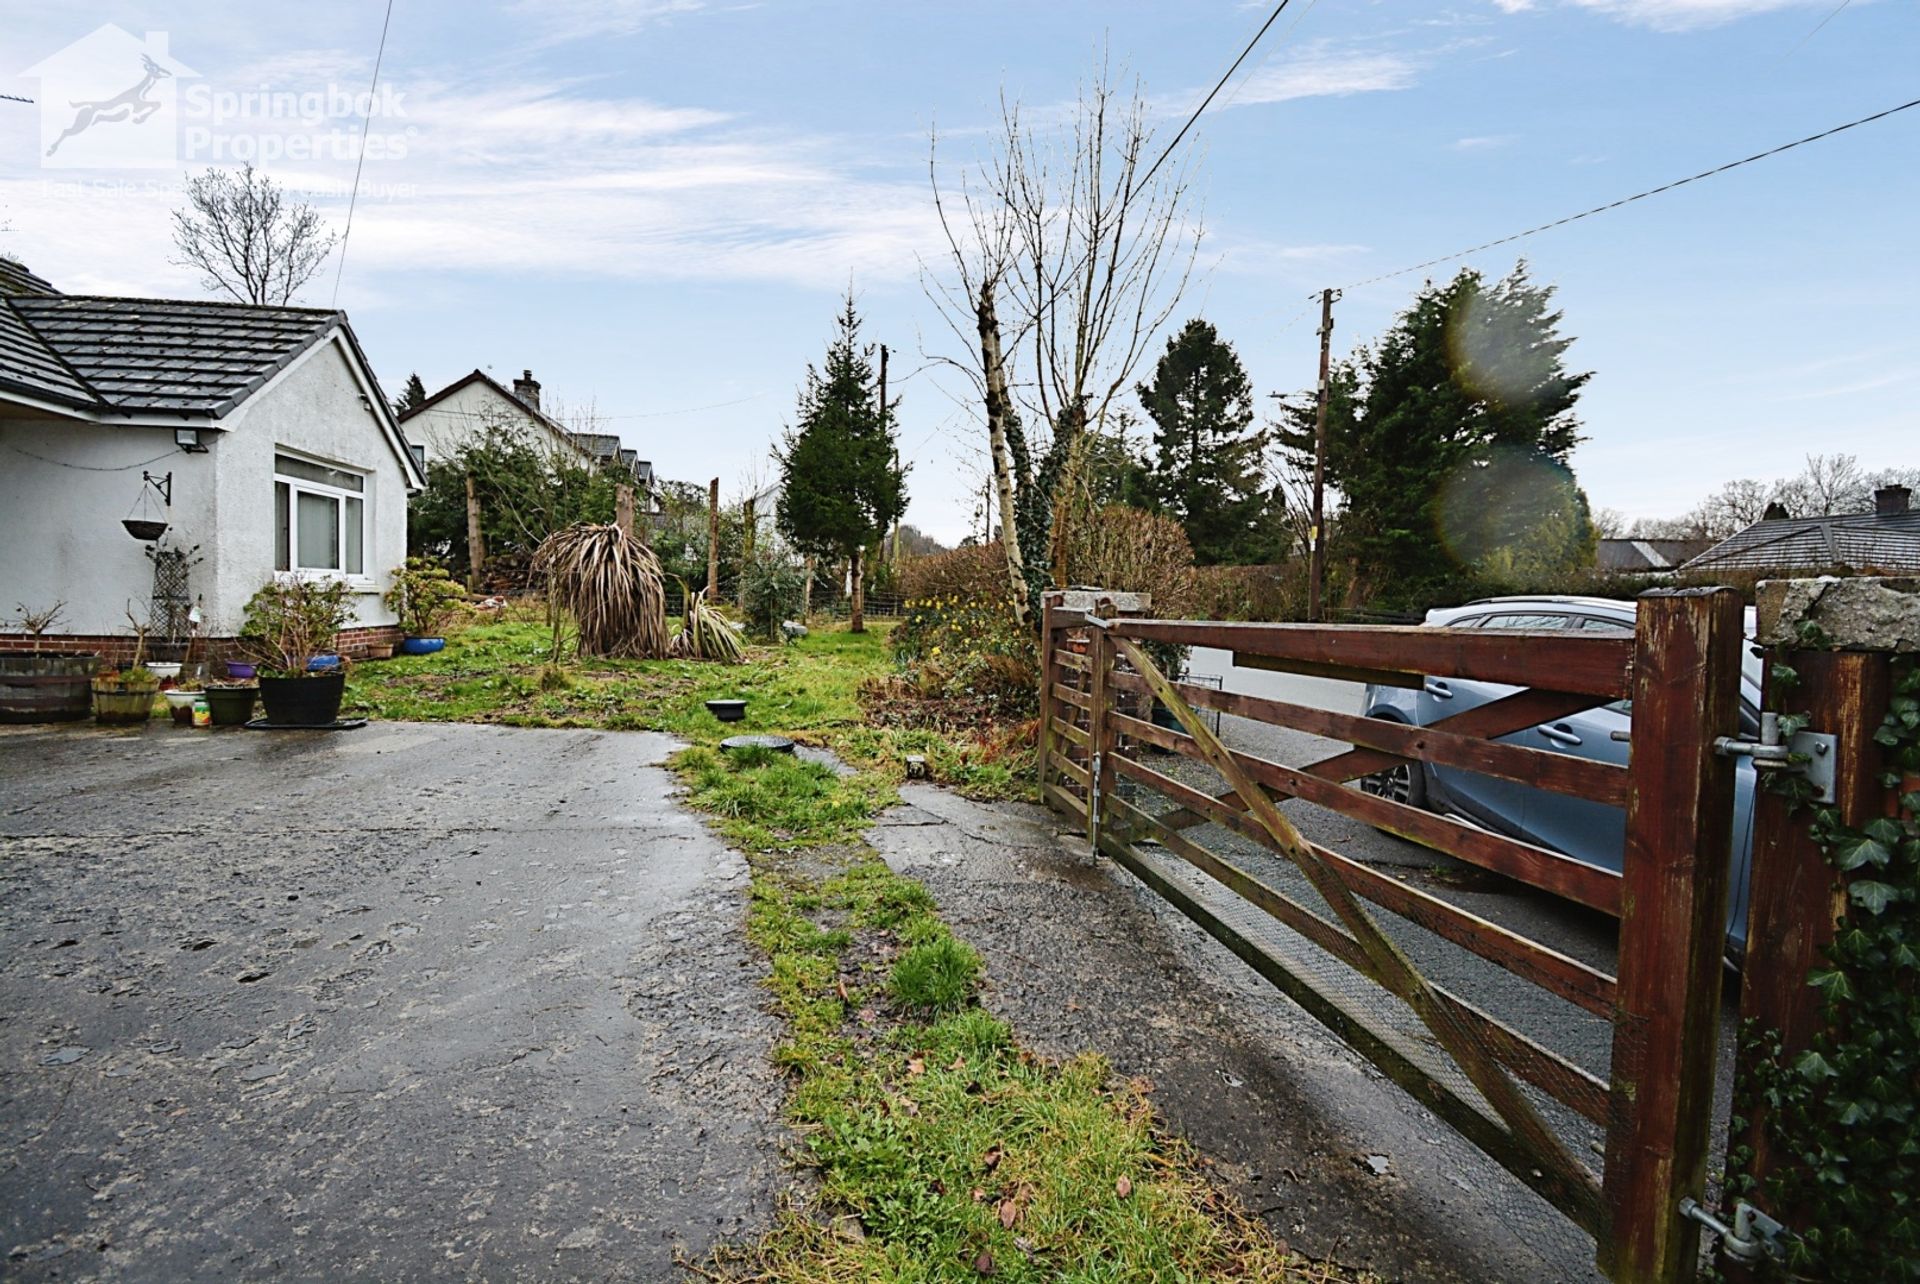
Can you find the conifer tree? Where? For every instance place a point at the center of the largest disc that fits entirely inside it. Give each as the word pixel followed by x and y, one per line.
pixel 1448 440
pixel 839 487
pixel 1209 458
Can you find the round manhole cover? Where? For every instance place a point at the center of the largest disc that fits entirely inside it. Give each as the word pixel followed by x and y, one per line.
pixel 773 744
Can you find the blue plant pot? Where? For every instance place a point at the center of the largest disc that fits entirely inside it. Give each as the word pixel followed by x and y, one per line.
pixel 421 646
pixel 323 663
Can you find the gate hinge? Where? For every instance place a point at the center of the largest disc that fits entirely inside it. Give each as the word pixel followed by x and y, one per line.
pixel 1810 753
pixel 1753 1235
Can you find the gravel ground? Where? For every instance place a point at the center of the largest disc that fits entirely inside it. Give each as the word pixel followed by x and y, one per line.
pixel 400 1003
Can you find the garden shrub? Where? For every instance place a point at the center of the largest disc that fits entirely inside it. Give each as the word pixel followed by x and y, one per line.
pixel 775 590
pixel 1131 551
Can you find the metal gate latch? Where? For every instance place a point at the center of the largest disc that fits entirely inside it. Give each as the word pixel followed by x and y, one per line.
pixel 1810 753
pixel 1753 1235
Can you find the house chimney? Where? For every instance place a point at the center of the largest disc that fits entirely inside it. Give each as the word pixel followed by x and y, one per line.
pixel 527 388
pixel 1891 499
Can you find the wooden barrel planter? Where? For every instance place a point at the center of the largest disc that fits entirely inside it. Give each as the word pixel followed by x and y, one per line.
pixel 45 688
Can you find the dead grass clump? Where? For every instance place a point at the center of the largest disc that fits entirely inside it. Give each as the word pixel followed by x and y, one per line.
pixel 610 583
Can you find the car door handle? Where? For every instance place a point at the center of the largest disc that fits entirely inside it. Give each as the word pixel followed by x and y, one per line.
pixel 1560 733
pixel 1438 689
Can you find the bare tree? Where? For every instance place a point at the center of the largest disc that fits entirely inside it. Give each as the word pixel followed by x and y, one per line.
pixel 247 239
pixel 1069 253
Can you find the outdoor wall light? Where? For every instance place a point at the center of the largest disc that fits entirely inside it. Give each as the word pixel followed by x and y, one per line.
pixel 188 439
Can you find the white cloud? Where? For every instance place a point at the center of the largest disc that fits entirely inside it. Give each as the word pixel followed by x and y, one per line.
pixel 577 19
pixel 520 178
pixel 1674 15
pixel 1481 143
pixel 1320 73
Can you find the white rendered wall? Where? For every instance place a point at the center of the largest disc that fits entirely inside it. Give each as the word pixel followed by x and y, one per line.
pixel 64 487
pixel 314 409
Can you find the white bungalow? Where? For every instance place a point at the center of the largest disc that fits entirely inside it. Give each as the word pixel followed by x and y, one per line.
pixel 259 435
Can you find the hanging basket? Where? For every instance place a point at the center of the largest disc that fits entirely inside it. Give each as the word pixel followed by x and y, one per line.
pixel 144 529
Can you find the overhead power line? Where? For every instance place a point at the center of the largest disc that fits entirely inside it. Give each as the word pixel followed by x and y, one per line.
pixel 1641 196
pixel 1211 94
pixel 360 162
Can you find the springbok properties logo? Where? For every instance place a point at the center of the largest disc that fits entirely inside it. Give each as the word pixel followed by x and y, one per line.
pixel 110 100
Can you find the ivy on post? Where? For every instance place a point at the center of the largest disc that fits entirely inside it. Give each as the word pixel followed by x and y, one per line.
pixel 1829 1070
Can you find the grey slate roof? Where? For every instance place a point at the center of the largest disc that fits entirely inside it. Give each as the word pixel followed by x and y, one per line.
pixel 17 278
pixel 28 363
pixel 150 355
pixel 1859 541
pixel 1631 555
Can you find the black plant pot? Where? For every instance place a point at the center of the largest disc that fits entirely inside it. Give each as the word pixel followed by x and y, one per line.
pixel 303 702
pixel 231 706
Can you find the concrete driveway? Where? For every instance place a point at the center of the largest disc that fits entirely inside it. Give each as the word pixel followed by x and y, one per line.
pixel 402 1003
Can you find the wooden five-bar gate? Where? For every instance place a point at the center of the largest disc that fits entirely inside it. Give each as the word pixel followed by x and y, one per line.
pixel 1615 1152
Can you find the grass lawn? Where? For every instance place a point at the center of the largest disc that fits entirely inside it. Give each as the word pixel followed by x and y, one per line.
pixel 808 690
pixel 942 1150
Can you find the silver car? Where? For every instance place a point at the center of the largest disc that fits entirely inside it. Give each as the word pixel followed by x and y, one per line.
pixel 1590 832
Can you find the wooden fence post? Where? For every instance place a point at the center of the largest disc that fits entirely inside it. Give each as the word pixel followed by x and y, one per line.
pixel 1686 693
pixel 476 539
pixel 1099 747
pixel 1046 690
pixel 623 508
pixel 1796 898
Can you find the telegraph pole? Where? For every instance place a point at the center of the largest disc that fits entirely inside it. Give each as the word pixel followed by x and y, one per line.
pixel 896 450
pixel 1317 557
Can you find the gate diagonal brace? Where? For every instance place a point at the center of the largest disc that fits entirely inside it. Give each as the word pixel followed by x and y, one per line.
pixel 1390 967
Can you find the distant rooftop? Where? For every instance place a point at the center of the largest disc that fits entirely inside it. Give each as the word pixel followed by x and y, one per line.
pixel 1887 539
pixel 1628 556
pixel 17 278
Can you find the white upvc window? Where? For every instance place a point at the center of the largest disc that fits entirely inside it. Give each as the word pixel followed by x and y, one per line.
pixel 320 518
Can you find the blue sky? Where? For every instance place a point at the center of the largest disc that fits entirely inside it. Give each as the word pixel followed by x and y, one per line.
pixel 654 203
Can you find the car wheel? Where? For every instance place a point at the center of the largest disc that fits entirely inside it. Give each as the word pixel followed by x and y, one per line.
pixel 1406 783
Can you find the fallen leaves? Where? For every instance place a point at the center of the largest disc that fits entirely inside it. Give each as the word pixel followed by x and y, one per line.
pixel 1123 1187
pixel 1009 1214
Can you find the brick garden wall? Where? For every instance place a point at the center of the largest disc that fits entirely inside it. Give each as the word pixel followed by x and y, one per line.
pixel 117 648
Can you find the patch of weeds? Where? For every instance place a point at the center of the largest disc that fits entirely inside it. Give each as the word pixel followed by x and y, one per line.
pixel 763 800
pixel 943 1150
pixel 938 976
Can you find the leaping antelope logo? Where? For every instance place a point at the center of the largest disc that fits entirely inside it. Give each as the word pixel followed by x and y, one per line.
pixel 133 105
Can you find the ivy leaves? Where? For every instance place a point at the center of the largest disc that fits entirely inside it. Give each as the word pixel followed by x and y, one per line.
pixel 1846 1108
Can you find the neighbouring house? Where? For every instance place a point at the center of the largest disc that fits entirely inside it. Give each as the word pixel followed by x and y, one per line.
pixel 1886 541
pixel 606 449
pixel 259 435
pixel 464 412
pixel 1646 556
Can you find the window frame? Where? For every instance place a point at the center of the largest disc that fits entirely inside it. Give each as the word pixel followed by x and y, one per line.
pixel 340 496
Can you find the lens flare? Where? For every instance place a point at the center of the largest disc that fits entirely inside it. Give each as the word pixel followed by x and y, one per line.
pixel 1509 511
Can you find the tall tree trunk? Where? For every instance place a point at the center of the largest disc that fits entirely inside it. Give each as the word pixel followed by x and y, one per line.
pixel 1071 427
pixel 999 409
pixel 857 621
pixel 806 593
